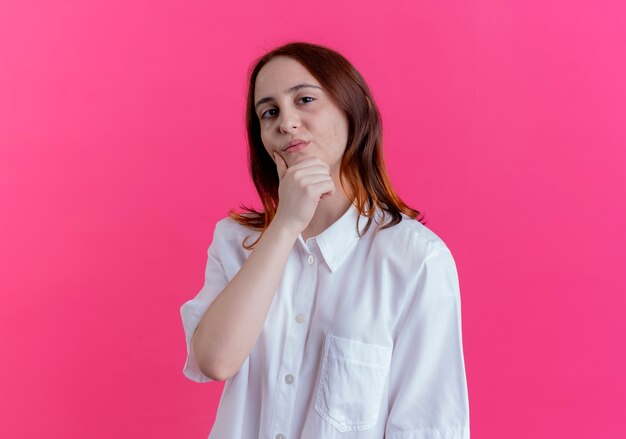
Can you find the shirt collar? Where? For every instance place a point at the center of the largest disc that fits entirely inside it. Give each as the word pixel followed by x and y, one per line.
pixel 336 242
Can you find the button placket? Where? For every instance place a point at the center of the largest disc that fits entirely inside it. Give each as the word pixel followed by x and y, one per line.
pixel 295 340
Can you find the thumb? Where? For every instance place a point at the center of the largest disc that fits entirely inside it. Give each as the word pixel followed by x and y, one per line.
pixel 281 165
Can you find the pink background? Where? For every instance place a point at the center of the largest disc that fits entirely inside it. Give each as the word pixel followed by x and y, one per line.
pixel 122 143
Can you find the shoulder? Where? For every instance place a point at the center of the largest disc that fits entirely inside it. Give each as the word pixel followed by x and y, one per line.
pixel 410 240
pixel 229 227
pixel 420 259
pixel 230 233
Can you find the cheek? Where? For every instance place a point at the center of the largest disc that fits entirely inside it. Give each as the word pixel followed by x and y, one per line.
pixel 265 140
pixel 335 128
pixel 340 131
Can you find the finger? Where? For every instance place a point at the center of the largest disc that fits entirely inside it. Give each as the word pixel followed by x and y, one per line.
pixel 318 171
pixel 315 178
pixel 327 195
pixel 329 191
pixel 281 165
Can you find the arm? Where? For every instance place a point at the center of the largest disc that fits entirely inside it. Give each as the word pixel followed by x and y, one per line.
pixel 233 322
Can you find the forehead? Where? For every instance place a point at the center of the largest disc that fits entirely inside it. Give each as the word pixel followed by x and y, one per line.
pixel 279 74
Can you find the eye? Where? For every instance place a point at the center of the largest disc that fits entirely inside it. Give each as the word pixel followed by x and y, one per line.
pixel 263 115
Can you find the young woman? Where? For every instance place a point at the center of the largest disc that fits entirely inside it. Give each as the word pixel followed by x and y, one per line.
pixel 342 317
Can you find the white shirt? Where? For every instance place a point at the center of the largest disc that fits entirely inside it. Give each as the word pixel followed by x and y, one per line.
pixel 362 339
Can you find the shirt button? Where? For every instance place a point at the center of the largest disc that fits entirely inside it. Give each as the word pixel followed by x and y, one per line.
pixel 280 436
pixel 300 318
pixel 289 378
pixel 310 259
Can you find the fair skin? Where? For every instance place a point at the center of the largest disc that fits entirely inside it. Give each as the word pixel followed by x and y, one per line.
pixel 310 200
pixel 307 113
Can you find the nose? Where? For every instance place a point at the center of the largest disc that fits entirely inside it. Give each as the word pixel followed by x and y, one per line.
pixel 289 120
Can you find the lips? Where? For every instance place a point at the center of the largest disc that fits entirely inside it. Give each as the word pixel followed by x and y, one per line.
pixel 294 145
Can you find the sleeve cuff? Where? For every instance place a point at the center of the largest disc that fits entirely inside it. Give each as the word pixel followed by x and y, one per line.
pixel 432 433
pixel 191 313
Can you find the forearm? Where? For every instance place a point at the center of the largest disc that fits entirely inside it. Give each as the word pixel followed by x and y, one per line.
pixel 232 324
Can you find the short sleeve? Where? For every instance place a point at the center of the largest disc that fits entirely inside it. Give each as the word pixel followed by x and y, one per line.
pixel 427 389
pixel 191 312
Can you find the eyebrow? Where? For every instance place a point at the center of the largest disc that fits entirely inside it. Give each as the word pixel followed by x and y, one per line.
pixel 288 91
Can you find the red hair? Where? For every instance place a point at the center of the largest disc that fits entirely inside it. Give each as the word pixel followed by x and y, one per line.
pixel 362 164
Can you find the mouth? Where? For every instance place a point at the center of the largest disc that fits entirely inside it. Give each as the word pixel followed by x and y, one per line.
pixel 295 145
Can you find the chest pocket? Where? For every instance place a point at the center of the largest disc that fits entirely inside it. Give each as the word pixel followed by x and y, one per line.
pixel 352 380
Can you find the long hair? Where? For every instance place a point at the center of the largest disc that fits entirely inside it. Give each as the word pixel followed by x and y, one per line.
pixel 362 164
